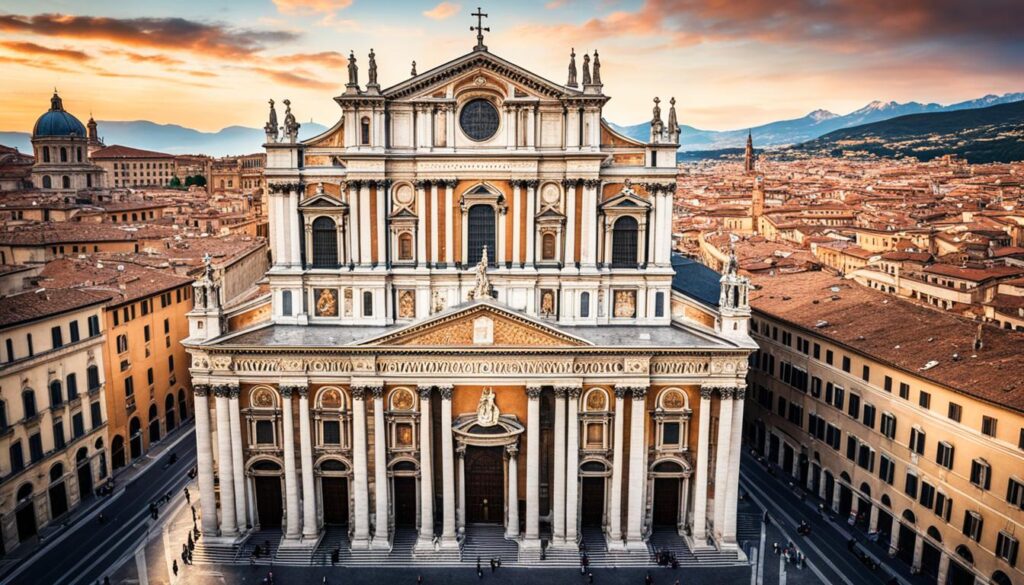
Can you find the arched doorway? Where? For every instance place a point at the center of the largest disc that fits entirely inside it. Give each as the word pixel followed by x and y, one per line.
pixel 787 458
pixel 931 554
pixel 403 491
pixel 802 469
pixel 57 492
pixel 845 496
pixel 1000 578
pixel 169 412
pixel 592 499
pixel 334 491
pixel 135 434
pixel 907 538
pixel 668 491
pixel 485 485
pixel 884 526
pixel 117 460
pixel 154 424
pixel 182 405
pixel 959 573
pixel 84 473
pixel 864 505
pixel 25 513
pixel 830 488
pixel 266 479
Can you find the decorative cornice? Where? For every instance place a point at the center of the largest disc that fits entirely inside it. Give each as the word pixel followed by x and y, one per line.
pixel 284 187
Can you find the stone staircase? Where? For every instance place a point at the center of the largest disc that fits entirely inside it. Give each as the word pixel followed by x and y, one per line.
pixel 602 558
pixel 668 539
pixel 748 528
pixel 205 554
pixel 262 539
pixel 486 542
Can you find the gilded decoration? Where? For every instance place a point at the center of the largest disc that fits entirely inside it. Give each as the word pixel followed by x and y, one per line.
pixel 625 303
pixel 331 399
pixel 596 400
pixel 547 302
pixel 326 302
pixel 401 399
pixel 263 398
pixel 403 435
pixel 673 400
pixel 406 304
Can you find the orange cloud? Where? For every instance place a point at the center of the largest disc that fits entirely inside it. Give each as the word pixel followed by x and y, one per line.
pixel 143 58
pixel 442 11
pixel 311 6
pixel 33 49
pixel 214 40
pixel 294 78
pixel 329 59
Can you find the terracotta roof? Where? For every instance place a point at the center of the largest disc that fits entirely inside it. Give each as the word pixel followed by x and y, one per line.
pixel 63 233
pixel 38 304
pixel 116 282
pixel 862 319
pixel 118 151
pixel 973 274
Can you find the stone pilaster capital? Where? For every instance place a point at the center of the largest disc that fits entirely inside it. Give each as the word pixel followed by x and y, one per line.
pixel 592 183
pixel 422 183
pixel 287 391
pixel 621 391
pixel 377 390
pixel 512 449
pixel 639 392
pixel 533 391
pixel 460 450
pixel 532 183
pixel 707 391
pixel 560 391
pixel 446 391
pixel 740 392
pixel 222 390
pixel 425 390
pixel 358 391
pixel 573 391
pixel 726 392
pixel 201 390
pixel 302 391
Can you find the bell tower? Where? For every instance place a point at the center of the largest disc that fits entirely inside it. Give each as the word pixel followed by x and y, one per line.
pixel 733 301
pixel 205 318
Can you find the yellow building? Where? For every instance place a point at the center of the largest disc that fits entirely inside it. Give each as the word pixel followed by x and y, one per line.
pixel 125 166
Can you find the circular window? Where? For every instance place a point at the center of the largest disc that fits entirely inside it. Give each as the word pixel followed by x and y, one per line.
pixel 479 119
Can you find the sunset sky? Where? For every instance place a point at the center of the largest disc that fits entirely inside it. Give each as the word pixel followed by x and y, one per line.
pixel 729 63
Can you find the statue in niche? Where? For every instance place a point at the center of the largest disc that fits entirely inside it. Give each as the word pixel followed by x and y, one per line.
pixel 487 412
pixel 482 289
pixel 406 304
pixel 326 303
pixel 348 302
pixel 547 303
pixel 437 302
pixel 625 303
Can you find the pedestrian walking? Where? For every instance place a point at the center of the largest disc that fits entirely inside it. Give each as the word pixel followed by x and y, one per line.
pixel 590 577
pixel 106 581
pixel 191 543
pixel 174 567
pixel 193 513
pixel 648 579
pixel 492 564
pixel 419 579
pixel 188 496
pixel 190 557
pixel 335 554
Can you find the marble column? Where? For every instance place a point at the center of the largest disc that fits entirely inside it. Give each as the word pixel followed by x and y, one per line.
pixel 570 225
pixel 228 519
pixel 426 536
pixel 558 506
pixel 460 451
pixel 204 459
pixel 366 256
pixel 381 225
pixel 873 519
pixel 449 231
pixel 421 222
pixel 447 468
pixel 943 569
pixel 572 466
pixel 532 537
pixel 360 482
pixel 512 526
pixel 517 226
pixel 915 566
pixel 735 441
pixel 237 460
pixel 354 222
pixel 309 521
pixel 434 225
pixel 531 222
pixel 381 536
pixel 293 523
pixel 701 474
pixel 637 473
pixel 725 405
pixel 588 237
pixel 618 458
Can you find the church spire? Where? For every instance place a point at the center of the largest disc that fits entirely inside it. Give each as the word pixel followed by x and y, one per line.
pixel 55 102
pixel 748 155
pixel 673 123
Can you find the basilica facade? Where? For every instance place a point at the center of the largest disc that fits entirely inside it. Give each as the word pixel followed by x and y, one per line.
pixel 477 319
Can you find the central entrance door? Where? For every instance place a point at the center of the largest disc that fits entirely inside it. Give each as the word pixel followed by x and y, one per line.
pixel 405 501
pixel 268 500
pixel 593 501
pixel 485 484
pixel 334 491
pixel 666 501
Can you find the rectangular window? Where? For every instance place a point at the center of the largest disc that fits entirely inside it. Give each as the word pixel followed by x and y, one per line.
pixel 888 427
pixel 796 414
pixel 988 426
pixel 670 433
pixel 917 437
pixel 73 331
pixel 1020 439
pixel 10 358
pixel 865 373
pixel 816 393
pixel 659 304
pixel 924 400
pixel 17 457
pixel 888 384
pixel 35 447
pixel 149 376
pixel 854 406
pixel 866 457
pixel 944 455
pixel 77 425
pixel 264 432
pixel 817 351
pixel 972 525
pixel 828 356
pixel 129 386
pixel 833 436
pixel 332 432
pixel 96 414
pixel 781 410
pixel 904 391
pixel 943 505
pixel 886 469
pixel 146 334
pixel 167 326
pixel 1006 548
pixel 927 498
pixel 910 488
pixel 851 448
pixel 846 363
pixel 956 412
pixel 869 416
pixel 55 336
pixel 1015 493
pixel 94 326
pixel 981 473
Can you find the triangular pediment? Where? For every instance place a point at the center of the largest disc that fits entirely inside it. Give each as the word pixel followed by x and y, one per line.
pixel 321 201
pixel 424 83
pixel 483 323
pixel 628 199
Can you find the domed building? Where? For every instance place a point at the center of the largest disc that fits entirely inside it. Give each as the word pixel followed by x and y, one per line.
pixel 61 145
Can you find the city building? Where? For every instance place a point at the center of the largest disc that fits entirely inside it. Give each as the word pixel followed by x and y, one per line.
pixel 15 169
pixel 476 320
pixel 61 146
pixel 52 408
pixel 148 388
pixel 907 421
pixel 133 167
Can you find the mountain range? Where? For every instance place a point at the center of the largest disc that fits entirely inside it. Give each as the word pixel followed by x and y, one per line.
pixel 815 124
pixel 175 139
pixel 981 135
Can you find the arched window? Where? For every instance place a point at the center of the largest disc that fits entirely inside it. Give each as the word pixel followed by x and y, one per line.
pixel 624 238
pixel 46 154
pixel 325 243
pixel 28 402
pixel 367 304
pixel 63 154
pixel 47 182
pixel 56 472
pixel 364 131
pixel 585 305
pixel 92 376
pixel 405 246
pixel 65 182
pixel 122 343
pixel 286 303
pixel 481 233
pixel 547 246
pixel 56 394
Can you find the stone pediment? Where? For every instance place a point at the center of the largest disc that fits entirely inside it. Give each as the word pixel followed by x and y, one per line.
pixel 479 324
pixel 626 199
pixel 323 201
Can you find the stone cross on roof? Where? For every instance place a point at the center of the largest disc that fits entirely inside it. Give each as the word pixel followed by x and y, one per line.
pixel 480 28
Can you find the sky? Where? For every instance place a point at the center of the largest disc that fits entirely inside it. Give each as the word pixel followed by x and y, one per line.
pixel 208 64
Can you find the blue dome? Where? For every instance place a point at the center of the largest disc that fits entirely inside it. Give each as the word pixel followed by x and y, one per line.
pixel 57 122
